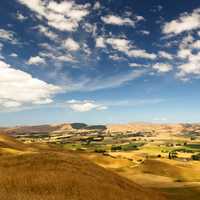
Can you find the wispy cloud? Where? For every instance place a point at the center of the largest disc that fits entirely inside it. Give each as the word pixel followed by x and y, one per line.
pixel 101 82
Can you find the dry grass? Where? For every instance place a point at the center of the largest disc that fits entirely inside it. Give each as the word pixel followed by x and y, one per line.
pixel 52 174
pixel 59 176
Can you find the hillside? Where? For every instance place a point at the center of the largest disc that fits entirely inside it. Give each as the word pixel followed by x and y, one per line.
pixel 145 127
pixel 48 128
pixel 109 128
pixel 53 174
pixel 10 145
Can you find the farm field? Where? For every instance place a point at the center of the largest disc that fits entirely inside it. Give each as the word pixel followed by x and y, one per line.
pixel 156 159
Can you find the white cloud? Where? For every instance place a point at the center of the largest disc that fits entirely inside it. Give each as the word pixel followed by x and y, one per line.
pixel 140 18
pixel 116 57
pixel 36 60
pixel 9 104
pixel 196 44
pixel 14 55
pixel 45 31
pixel 71 45
pixel 66 58
pixel 97 6
pixel 55 53
pixel 20 17
pixel 144 32
pixel 88 27
pixel 186 41
pixel 117 20
pixel 136 65
pixel 189 56
pixel 119 44
pixel 138 53
pixel 3 64
pixel 19 88
pixel 184 53
pixel 191 66
pixel 165 55
pixel 64 16
pixel 125 46
pixel 185 22
pixel 100 42
pixel 162 67
pixel 6 35
pixel 85 105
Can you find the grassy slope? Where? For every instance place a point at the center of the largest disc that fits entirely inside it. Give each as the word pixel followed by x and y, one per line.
pixel 178 179
pixel 59 175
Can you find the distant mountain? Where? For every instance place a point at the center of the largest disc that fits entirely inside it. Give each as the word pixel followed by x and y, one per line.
pixel 134 127
pixel 50 128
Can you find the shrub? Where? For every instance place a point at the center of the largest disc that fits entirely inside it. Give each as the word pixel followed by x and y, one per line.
pixel 116 148
pixel 196 156
pixel 99 150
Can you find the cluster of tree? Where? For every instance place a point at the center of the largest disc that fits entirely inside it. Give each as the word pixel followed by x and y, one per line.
pixel 126 147
pixel 172 155
pixel 116 148
pixel 196 156
pixel 85 126
pixel 98 150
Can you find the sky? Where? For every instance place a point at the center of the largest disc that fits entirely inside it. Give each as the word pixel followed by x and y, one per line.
pixel 98 62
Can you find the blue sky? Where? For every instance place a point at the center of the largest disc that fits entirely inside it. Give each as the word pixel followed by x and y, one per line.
pixel 108 61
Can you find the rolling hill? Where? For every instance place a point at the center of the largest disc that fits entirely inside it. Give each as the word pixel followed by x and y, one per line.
pixel 53 174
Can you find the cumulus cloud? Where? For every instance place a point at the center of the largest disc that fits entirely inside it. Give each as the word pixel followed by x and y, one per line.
pixel 117 20
pixel 13 55
pixel 125 46
pixel 191 67
pixel 136 65
pixel 71 45
pixel 19 88
pixel 100 42
pixel 196 44
pixel 165 55
pixel 189 56
pixel 119 44
pixel 36 60
pixel 85 105
pixel 20 17
pixel 66 58
pixel 162 67
pixel 138 53
pixel 186 22
pixel 64 16
pixel 45 31
pixel 191 64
